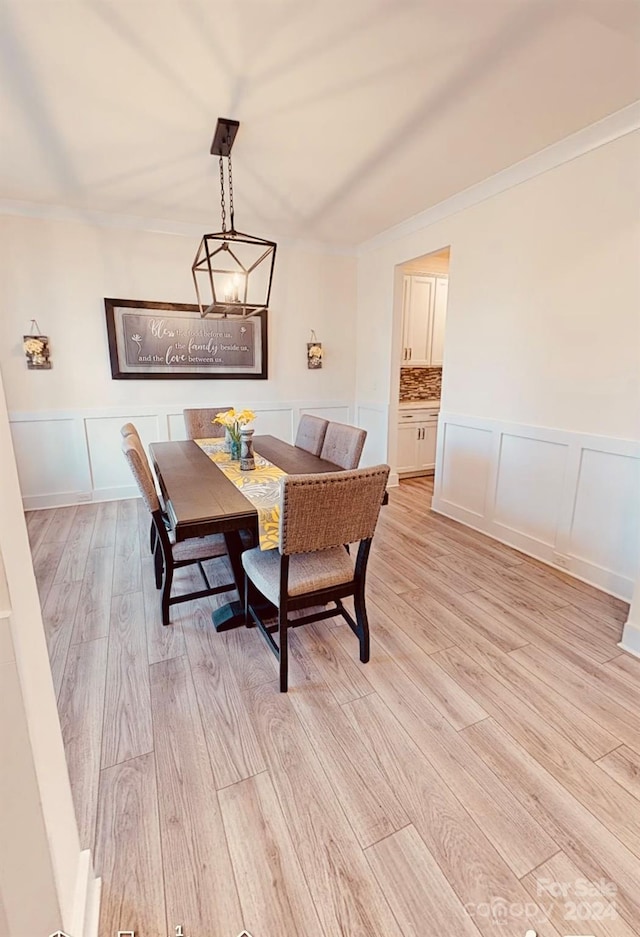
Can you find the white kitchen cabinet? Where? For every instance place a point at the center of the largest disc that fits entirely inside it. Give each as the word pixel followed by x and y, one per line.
pixel 407 447
pixel 418 300
pixel 424 310
pixel 417 437
pixel 438 320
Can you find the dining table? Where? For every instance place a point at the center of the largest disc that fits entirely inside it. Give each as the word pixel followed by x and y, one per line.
pixel 201 500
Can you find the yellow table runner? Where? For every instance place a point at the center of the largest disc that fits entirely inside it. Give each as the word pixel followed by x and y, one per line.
pixel 260 486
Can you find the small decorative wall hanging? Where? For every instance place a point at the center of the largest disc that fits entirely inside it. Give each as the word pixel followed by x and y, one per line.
pixel 36 349
pixel 314 352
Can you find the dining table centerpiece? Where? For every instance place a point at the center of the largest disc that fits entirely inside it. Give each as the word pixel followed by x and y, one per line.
pixel 233 420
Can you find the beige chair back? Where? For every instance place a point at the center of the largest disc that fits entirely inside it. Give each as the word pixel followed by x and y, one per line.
pixel 311 432
pixel 139 465
pixel 343 445
pixel 129 430
pixel 330 509
pixel 199 423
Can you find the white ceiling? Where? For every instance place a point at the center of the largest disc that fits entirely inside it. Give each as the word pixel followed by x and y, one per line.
pixel 354 115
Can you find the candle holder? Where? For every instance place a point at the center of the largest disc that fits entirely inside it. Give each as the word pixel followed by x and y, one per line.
pixel 247 457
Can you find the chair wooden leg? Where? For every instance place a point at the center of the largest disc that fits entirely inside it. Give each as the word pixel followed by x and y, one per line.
pixel 158 564
pixel 363 624
pixel 283 655
pixel 166 594
pixel 246 600
pixel 153 537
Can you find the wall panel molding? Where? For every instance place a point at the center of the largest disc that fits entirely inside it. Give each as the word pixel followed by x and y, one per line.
pixel 73 456
pixel 569 499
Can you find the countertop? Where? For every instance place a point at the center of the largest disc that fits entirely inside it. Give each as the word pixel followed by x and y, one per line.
pixel 419 404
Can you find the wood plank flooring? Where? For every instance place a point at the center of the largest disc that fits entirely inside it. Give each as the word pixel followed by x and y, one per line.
pixel 479 777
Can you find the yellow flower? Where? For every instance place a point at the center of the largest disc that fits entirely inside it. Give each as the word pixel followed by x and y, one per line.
pixel 228 418
pixel 233 419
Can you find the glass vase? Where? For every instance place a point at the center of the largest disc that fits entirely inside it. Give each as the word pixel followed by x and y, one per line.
pixel 234 448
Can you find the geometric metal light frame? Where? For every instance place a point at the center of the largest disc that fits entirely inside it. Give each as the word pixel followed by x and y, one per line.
pixel 217 255
pixel 234 269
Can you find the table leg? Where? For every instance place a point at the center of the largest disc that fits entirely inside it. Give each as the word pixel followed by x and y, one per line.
pixel 231 615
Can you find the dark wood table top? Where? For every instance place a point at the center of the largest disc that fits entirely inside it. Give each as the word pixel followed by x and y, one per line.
pixel 201 500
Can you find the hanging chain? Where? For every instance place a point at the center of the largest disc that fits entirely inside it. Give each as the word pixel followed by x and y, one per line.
pixel 233 227
pixel 222 198
pixel 222 204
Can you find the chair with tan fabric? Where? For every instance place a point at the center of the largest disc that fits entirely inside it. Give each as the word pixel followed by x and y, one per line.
pixel 310 435
pixel 128 429
pixel 343 445
pixel 199 425
pixel 168 554
pixel 312 567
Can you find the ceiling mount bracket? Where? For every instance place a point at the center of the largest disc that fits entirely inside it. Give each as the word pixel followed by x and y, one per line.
pixel 226 130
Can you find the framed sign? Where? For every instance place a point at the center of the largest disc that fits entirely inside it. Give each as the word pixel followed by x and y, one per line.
pixel 151 341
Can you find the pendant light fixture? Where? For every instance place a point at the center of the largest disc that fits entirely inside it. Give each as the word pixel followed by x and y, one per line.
pixel 232 271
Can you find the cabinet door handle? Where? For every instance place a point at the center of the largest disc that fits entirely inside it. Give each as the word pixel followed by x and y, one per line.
pixel 410 353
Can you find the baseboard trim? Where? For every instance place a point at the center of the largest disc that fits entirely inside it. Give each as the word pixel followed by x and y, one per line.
pixel 70 498
pixel 630 641
pixel 604 579
pixel 86 911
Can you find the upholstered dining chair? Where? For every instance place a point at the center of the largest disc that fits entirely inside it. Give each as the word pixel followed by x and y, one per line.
pixel 312 567
pixel 199 425
pixel 128 429
pixel 310 435
pixel 168 555
pixel 343 445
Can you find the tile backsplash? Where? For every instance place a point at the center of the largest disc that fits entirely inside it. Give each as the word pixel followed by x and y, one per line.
pixel 420 383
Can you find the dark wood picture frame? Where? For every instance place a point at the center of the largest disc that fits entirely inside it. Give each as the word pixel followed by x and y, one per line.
pixel 180 373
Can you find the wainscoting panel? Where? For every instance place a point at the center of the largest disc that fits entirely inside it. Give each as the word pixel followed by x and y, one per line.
pixel 104 441
pixel 176 428
pixel 374 418
pixel 533 468
pixel 570 499
pixel 66 457
pixel 606 519
pixel 465 460
pixel 52 458
pixel 276 422
pixel 336 414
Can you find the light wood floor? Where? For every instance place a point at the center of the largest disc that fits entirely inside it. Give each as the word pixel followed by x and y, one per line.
pixel 490 749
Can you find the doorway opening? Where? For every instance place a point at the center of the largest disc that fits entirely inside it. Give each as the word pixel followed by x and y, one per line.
pixel 421 328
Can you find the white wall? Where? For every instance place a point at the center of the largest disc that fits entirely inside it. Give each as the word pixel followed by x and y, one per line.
pixel 541 378
pixel 46 882
pixel 58 272
pixel 631 633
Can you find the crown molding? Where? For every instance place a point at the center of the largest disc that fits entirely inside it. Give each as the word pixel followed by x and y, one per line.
pixel 610 128
pixel 45 211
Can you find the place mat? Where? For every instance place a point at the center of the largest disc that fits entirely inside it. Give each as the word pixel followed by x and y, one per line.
pixel 261 487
